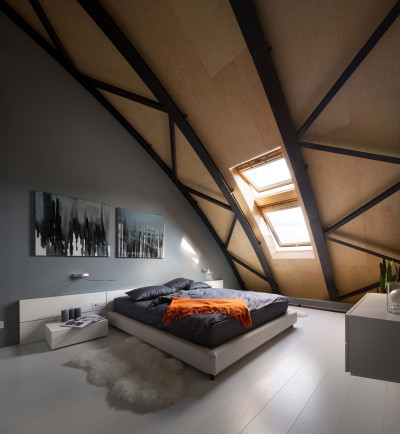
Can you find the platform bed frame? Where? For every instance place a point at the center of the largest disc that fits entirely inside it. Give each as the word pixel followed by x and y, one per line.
pixel 209 360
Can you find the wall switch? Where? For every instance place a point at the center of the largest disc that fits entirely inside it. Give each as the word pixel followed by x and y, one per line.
pixel 1 324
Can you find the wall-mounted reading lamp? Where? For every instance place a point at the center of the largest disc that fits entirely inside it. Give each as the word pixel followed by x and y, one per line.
pixel 86 275
pixel 206 270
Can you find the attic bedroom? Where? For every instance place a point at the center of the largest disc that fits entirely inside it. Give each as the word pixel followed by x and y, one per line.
pixel 264 138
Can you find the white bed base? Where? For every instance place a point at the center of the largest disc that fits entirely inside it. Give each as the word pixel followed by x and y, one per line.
pixel 209 360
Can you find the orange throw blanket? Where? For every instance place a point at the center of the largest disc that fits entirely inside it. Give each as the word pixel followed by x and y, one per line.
pixel 181 307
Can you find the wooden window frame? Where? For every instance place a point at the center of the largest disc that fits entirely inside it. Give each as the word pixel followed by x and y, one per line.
pixel 261 161
pixel 277 206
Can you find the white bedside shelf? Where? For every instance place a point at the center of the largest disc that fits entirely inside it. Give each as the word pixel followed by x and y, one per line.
pixel 58 337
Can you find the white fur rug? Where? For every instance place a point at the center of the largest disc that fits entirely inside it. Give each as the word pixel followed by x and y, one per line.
pixel 136 372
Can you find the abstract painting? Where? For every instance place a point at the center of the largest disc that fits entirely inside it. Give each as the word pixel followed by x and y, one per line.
pixel 140 235
pixel 70 227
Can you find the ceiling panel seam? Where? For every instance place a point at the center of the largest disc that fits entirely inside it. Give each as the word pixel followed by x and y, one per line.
pixel 353 65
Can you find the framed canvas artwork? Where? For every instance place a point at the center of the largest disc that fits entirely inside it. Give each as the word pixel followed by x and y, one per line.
pixel 139 235
pixel 65 226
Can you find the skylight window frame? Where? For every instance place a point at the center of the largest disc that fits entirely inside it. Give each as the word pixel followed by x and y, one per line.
pixel 279 206
pixel 263 160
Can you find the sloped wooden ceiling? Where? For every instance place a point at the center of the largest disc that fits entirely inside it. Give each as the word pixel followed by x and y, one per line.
pixel 196 51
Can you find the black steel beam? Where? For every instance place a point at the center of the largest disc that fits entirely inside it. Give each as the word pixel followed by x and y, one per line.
pixel 364 208
pixel 173 146
pixel 51 32
pixel 125 94
pixel 21 23
pixel 350 152
pixel 359 291
pixel 361 249
pixel 124 46
pixel 228 238
pixel 251 269
pixel 124 123
pixel 208 198
pixel 361 55
pixel 253 34
pixel 336 306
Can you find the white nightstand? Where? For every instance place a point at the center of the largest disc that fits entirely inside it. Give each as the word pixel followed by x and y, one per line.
pixel 58 337
pixel 372 340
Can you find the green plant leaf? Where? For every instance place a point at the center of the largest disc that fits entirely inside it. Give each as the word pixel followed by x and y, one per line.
pixel 382 283
pixel 397 278
pixel 389 272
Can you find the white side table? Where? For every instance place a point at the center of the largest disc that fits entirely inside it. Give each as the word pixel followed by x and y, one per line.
pixel 373 340
pixel 58 337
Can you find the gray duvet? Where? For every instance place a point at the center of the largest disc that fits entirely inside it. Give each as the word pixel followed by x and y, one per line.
pixel 209 330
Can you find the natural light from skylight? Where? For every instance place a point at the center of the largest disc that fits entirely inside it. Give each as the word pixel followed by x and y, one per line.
pixel 289 226
pixel 186 246
pixel 268 175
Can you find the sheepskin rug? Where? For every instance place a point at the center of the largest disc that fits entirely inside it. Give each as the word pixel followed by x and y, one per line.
pixel 136 372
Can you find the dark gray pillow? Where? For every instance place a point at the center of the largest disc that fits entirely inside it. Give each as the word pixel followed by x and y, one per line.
pixel 179 283
pixel 149 292
pixel 198 285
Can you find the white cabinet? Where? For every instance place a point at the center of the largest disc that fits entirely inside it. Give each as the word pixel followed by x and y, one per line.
pixel 373 340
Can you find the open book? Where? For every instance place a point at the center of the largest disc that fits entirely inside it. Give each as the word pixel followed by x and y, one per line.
pixel 82 321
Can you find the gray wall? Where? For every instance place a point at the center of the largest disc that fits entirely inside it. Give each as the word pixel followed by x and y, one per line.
pixel 55 137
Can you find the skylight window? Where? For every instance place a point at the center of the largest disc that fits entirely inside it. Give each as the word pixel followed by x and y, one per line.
pixel 276 198
pixel 288 226
pixel 266 172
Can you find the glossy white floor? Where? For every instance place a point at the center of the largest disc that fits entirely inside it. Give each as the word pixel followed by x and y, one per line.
pixel 295 383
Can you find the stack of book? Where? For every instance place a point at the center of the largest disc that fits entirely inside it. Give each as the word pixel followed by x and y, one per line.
pixel 82 321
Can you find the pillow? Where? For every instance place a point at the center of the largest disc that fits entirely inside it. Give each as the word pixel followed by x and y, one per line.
pixel 179 283
pixel 149 292
pixel 198 285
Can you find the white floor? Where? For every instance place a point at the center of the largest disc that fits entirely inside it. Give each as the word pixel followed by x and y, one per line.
pixel 294 384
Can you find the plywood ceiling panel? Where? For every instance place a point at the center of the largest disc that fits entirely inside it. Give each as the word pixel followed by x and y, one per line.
pixel 220 218
pixel 205 24
pixel 350 268
pixel 90 50
pixel 229 112
pixel 313 41
pixel 375 229
pixel 371 100
pixel 25 10
pixel 341 184
pixel 191 171
pixel 241 248
pixel 151 124
pixel 251 281
pixel 300 278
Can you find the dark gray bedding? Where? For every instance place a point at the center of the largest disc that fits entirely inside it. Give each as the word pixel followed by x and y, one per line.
pixel 208 330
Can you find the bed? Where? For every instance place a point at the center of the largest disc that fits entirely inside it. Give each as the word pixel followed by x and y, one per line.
pixel 210 342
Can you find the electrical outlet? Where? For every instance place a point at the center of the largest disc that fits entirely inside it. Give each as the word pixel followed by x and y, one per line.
pixel 96 305
pixel 1 324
